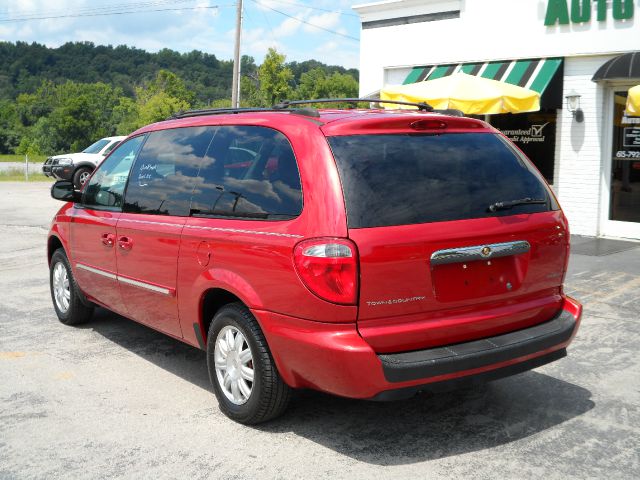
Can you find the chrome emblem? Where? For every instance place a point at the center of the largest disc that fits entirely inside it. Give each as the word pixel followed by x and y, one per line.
pixel 486 251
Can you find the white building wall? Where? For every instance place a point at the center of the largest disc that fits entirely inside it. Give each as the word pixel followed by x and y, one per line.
pixel 507 30
pixel 580 147
pixel 486 30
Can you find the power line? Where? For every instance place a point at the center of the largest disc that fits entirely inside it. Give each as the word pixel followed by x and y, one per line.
pixel 96 9
pixel 77 15
pixel 273 37
pixel 314 8
pixel 307 23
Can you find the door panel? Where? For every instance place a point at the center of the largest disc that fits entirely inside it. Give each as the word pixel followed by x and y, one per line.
pixel 147 251
pixel 93 234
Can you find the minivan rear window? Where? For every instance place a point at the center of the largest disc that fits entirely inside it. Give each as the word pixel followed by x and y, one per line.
pixel 401 179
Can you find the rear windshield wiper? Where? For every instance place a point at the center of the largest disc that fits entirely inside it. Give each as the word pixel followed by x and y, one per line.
pixel 494 207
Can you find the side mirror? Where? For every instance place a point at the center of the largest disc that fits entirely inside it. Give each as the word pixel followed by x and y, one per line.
pixel 63 190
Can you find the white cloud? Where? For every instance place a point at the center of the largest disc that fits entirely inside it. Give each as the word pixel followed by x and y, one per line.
pixel 324 20
pixel 288 27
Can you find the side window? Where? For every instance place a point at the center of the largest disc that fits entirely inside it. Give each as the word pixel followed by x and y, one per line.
pixel 110 147
pixel 163 176
pixel 249 172
pixel 106 187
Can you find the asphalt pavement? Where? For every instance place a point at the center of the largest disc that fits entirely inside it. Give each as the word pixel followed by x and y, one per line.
pixel 114 399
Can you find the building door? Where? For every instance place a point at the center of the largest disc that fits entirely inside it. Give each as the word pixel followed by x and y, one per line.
pixel 622 198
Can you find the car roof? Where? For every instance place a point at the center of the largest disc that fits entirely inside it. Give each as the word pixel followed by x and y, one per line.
pixel 331 121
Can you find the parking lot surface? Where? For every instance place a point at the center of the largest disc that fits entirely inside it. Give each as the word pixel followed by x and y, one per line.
pixel 114 399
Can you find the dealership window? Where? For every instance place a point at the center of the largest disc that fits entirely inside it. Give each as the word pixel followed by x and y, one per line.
pixel 624 203
pixel 535 134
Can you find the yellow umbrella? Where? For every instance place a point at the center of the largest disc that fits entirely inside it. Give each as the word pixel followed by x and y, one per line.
pixel 473 95
pixel 633 102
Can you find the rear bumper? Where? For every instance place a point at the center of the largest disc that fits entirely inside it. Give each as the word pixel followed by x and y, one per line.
pixel 434 362
pixel 334 358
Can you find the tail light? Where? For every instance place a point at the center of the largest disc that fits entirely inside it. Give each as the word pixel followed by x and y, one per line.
pixel 329 268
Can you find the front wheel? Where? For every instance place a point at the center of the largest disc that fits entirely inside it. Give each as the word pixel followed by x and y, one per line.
pixel 80 177
pixel 65 293
pixel 244 377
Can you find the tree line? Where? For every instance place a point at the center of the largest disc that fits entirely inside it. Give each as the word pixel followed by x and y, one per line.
pixel 56 100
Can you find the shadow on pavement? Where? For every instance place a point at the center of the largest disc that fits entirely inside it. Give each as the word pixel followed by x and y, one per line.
pixel 423 428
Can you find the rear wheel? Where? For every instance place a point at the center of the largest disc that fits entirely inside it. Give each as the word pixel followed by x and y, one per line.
pixel 81 176
pixel 66 296
pixel 244 377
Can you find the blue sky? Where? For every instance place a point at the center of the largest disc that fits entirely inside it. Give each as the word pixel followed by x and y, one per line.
pixel 297 28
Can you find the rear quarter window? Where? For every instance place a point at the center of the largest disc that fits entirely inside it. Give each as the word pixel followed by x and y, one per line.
pixel 402 179
pixel 249 172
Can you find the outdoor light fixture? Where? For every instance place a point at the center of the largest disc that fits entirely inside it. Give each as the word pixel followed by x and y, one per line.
pixel 573 105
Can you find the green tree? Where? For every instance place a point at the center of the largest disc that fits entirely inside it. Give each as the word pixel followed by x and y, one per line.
pixel 317 84
pixel 10 131
pixel 155 101
pixel 70 116
pixel 274 78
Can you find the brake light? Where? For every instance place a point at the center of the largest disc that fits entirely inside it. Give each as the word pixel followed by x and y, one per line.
pixel 429 125
pixel 329 268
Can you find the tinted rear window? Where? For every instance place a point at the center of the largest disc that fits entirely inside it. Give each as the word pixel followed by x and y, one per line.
pixel 415 178
pixel 249 172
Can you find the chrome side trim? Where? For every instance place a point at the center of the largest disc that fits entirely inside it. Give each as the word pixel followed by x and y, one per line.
pixel 96 271
pixel 130 281
pixel 147 286
pixel 249 232
pixel 146 222
pixel 479 252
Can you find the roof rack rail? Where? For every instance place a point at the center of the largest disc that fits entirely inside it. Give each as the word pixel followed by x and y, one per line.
pixel 220 111
pixel 423 106
pixel 285 104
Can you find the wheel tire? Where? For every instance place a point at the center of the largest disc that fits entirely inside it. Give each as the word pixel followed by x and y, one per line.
pixel 269 395
pixel 80 176
pixel 67 300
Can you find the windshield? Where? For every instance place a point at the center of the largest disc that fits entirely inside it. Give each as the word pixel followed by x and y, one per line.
pixel 96 147
pixel 405 179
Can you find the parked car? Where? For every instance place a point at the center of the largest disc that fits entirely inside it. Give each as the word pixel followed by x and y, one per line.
pixel 368 254
pixel 78 167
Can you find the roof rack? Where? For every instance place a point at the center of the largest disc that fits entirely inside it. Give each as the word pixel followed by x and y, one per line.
pixel 310 112
pixel 285 104
pixel 425 107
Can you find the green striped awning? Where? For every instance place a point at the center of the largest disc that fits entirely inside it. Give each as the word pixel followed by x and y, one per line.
pixel 534 74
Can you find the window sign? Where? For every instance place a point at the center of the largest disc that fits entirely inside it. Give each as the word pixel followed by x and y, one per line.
pixel 535 134
pixel 631 137
pixel 563 12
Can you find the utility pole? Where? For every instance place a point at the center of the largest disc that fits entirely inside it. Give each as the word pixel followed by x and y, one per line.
pixel 235 88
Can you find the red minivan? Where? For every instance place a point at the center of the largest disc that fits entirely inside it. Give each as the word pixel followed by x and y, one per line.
pixel 370 254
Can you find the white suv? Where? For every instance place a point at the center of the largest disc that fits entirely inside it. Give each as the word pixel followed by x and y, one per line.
pixel 79 166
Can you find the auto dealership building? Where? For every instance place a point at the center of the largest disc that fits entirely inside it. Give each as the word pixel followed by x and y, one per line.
pixel 579 54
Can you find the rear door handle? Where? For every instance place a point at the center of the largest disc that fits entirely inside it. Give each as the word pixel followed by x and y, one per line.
pixel 108 239
pixel 125 243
